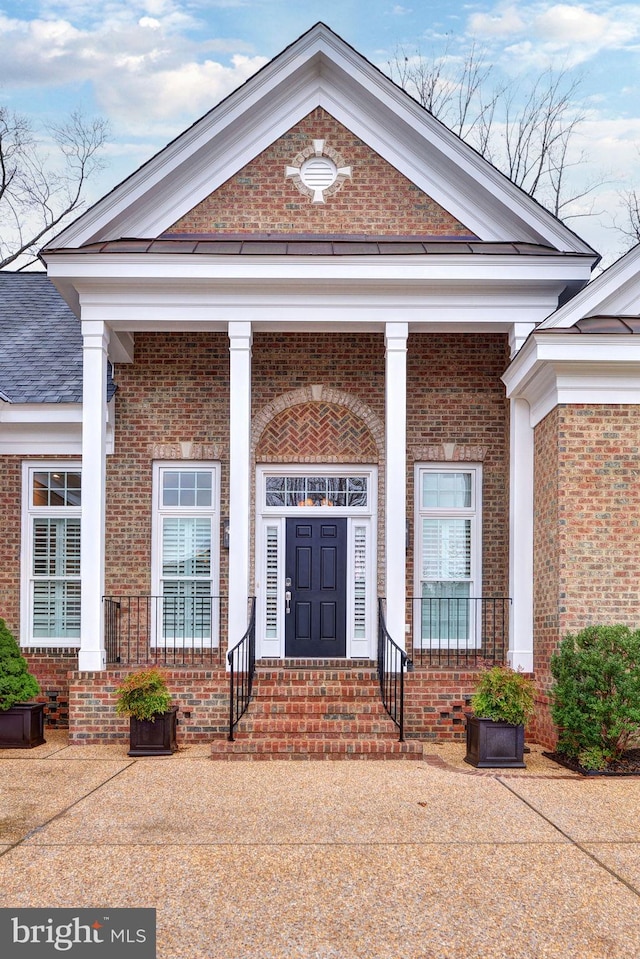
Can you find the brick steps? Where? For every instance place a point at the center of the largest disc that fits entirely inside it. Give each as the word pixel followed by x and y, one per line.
pixel 320 712
pixel 324 748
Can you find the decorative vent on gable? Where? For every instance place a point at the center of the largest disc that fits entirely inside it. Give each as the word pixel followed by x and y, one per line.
pixel 318 171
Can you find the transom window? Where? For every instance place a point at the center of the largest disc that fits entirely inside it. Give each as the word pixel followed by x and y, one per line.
pixel 348 491
pixel 56 488
pixel 187 487
pixel 52 559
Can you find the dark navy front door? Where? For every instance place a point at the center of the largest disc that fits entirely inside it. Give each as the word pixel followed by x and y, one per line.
pixel 316 572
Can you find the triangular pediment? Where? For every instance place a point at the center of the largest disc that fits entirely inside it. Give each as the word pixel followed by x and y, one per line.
pixel 350 189
pixel 319 89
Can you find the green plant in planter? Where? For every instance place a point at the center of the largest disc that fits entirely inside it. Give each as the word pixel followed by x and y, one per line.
pixel 17 685
pixel 596 693
pixel 144 695
pixel 504 695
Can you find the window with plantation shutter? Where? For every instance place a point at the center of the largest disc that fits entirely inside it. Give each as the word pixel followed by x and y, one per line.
pixel 186 556
pixel 448 553
pixel 52 579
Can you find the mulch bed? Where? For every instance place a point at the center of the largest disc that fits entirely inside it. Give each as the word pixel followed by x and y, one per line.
pixel 627 765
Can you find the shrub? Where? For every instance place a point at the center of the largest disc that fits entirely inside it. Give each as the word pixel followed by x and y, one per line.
pixel 144 695
pixel 596 694
pixel 17 685
pixel 504 695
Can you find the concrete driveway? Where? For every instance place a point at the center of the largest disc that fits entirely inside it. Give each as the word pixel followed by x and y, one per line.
pixel 328 860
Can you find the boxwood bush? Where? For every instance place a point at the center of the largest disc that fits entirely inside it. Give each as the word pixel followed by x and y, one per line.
pixel 596 693
pixel 17 685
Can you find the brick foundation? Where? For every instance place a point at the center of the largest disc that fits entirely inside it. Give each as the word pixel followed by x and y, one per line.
pixel 52 668
pixel 201 694
pixel 435 704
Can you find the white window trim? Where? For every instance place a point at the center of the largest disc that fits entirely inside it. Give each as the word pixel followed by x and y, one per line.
pixel 29 511
pixel 356 516
pixel 474 512
pixel 159 513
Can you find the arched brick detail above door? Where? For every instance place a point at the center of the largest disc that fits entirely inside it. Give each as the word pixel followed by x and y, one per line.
pixel 317 425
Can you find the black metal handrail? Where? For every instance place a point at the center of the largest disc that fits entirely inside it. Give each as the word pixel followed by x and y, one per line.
pixel 460 630
pixel 242 662
pixel 168 630
pixel 393 662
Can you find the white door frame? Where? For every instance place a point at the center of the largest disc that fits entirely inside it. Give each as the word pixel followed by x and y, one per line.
pixel 271 525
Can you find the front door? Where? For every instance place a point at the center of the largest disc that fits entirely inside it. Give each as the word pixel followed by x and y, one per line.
pixel 316 579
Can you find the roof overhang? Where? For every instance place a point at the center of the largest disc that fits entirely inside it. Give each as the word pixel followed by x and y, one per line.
pixel 177 291
pixel 554 368
pixel 46 429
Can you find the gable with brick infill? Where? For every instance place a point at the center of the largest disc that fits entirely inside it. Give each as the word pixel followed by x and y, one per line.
pixel 375 200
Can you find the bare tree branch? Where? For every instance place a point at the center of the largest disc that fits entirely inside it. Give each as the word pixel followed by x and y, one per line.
pixel 40 191
pixel 630 228
pixel 526 129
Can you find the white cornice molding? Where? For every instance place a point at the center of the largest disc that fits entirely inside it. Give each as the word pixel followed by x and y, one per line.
pixel 553 369
pixel 397 270
pixel 319 69
pixel 46 429
pixel 44 414
pixel 147 292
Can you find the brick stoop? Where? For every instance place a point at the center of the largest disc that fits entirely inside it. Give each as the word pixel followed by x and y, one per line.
pixel 316 711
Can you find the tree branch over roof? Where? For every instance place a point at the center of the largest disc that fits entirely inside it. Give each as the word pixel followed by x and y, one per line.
pixel 41 190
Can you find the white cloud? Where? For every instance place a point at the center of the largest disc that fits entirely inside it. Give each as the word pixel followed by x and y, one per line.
pixel 545 32
pixel 504 21
pixel 147 71
pixel 160 95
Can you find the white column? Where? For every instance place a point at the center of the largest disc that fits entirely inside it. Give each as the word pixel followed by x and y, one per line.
pixel 239 476
pixel 95 344
pixel 396 477
pixel 521 537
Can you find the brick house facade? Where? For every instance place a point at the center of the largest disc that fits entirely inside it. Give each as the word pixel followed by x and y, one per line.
pixel 317 314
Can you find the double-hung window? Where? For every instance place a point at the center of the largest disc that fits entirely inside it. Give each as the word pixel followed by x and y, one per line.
pixel 186 562
pixel 448 554
pixel 51 563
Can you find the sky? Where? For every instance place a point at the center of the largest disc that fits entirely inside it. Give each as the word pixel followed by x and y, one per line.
pixel 152 67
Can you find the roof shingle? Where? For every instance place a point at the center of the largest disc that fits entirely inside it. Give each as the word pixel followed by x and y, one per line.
pixel 40 343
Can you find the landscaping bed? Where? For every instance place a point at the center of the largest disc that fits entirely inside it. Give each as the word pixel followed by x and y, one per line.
pixel 627 765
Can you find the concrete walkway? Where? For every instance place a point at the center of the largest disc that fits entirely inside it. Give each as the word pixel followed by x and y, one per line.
pixel 326 860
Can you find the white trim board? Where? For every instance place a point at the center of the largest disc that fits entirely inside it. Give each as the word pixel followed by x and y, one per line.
pixel 357 648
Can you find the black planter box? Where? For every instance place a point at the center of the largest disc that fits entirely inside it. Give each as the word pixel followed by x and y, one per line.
pixel 22 726
pixel 155 737
pixel 494 745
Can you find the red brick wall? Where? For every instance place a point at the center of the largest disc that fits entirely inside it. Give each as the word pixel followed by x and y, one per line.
pixel 51 668
pixel 435 705
pixel 176 392
pixel 377 200
pixel 546 544
pixel 587 518
pixel 436 702
pixel 11 512
pixel 202 697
